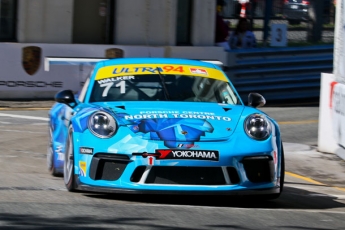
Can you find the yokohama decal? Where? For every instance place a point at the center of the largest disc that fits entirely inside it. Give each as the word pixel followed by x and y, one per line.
pixel 168 154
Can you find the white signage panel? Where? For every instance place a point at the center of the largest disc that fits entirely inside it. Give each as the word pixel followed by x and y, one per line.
pixel 278 35
pixel 22 67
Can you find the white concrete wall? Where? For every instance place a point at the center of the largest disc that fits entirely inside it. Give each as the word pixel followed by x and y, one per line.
pixel 15 83
pixel 47 21
pixel 145 22
pixel 203 22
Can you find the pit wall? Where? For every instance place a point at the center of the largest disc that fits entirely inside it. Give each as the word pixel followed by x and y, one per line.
pixel 35 83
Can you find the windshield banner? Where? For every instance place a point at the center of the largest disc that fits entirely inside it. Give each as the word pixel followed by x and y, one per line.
pixel 134 69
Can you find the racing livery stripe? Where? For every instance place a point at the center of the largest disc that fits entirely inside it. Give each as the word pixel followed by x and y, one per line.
pixel 145 69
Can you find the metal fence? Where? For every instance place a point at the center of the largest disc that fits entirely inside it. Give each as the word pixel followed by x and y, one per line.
pixel 296 32
pixel 281 75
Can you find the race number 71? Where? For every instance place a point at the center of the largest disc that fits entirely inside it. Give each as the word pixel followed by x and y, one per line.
pixel 108 85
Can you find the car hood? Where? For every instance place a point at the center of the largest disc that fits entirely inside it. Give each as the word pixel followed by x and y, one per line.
pixel 172 121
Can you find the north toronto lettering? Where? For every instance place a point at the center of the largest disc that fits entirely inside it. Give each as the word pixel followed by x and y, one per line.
pixel 146 116
pixel 168 115
pixel 31 84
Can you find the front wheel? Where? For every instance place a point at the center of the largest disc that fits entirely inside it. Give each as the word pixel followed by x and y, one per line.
pixel 50 155
pixel 69 163
pixel 282 178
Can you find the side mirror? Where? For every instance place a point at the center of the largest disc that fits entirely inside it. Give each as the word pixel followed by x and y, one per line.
pixel 66 97
pixel 256 100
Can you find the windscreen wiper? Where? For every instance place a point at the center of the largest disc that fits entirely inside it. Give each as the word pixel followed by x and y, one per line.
pixel 166 93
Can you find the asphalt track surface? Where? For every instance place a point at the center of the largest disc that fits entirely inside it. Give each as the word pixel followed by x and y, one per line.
pixel 314 195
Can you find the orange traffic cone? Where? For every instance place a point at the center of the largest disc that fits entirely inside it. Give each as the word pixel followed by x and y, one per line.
pixel 243 10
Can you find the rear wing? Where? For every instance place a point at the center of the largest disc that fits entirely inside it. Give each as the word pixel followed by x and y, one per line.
pixel 70 61
pixel 92 61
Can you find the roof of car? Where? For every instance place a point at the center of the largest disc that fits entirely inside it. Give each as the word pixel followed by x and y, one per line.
pixel 121 61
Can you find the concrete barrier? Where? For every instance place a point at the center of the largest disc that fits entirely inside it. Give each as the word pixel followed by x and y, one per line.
pixel 331 135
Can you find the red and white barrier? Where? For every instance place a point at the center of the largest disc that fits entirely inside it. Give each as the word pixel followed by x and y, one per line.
pixel 331 135
pixel 332 97
pixel 244 4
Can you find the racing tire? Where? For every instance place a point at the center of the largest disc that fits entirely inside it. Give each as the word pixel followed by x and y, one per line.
pixel 68 168
pixel 50 156
pixel 282 179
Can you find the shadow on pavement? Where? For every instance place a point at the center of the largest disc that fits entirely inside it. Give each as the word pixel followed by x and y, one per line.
pixel 291 198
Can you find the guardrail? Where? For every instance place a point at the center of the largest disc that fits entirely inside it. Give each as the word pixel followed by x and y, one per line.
pixel 280 74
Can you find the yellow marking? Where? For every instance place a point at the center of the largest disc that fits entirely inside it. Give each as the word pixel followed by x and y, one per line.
pixel 297 122
pixel 135 69
pixel 312 181
pixel 303 178
pixel 341 189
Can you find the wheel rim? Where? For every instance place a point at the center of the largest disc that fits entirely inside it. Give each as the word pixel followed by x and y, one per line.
pixel 68 163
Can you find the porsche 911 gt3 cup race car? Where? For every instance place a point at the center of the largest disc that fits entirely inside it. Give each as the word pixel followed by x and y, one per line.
pixel 163 125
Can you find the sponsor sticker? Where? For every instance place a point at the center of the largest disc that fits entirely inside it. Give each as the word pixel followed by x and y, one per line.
pixel 116 79
pixel 82 168
pixel 86 150
pixel 188 146
pixel 198 71
pixel 181 154
pixel 150 160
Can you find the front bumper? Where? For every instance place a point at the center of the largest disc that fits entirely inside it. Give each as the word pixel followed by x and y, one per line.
pixel 123 175
pixel 244 167
pixel 100 189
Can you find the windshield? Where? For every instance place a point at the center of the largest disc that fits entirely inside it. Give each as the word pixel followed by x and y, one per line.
pixel 160 87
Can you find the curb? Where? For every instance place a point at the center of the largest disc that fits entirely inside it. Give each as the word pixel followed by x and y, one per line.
pixel 341 153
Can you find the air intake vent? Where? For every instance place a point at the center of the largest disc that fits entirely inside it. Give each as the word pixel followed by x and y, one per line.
pixel 108 166
pixel 186 175
pixel 234 178
pixel 259 169
pixel 138 173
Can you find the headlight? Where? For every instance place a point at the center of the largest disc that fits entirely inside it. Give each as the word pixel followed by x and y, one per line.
pixel 102 124
pixel 257 126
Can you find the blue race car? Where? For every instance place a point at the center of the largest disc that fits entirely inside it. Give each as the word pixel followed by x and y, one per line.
pixel 163 125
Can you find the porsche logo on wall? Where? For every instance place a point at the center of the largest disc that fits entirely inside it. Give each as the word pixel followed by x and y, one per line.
pixel 114 53
pixel 31 59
